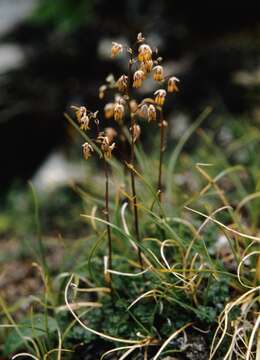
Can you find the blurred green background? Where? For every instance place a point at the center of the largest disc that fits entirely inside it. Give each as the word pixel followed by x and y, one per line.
pixel 57 53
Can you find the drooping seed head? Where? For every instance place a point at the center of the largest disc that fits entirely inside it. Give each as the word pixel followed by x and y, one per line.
pixel 172 87
pixel 116 49
pixel 119 112
pixel 87 150
pixel 133 106
pixel 151 113
pixel 158 73
pixel 139 76
pixel 110 133
pixel 144 53
pixel 121 83
pixel 109 110
pixel 80 112
pixel 143 111
pixel 106 145
pixel 140 37
pixel 146 66
pixel 160 95
pixel 84 122
pixel 101 92
pixel 119 99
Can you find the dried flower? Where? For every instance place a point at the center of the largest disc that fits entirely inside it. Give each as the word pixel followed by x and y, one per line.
pixel 119 99
pixel 109 110
pixel 160 95
pixel 158 73
pixel 87 150
pixel 116 49
pixel 119 112
pixel 105 146
pixel 102 90
pixel 139 76
pixel 151 113
pixel 143 111
pixel 172 87
pixel 133 106
pixel 110 79
pixel 144 53
pixel 84 122
pixel 146 66
pixel 121 83
pixel 110 133
pixel 136 131
pixel 140 37
pixel 79 111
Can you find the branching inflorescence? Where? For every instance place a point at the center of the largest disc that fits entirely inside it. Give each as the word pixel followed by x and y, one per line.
pixel 127 113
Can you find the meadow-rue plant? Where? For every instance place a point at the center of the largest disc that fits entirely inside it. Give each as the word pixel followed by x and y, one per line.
pixel 126 111
pixel 186 291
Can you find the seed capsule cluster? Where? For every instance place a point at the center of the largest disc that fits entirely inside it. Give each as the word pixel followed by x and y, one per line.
pixel 104 139
pixel 143 61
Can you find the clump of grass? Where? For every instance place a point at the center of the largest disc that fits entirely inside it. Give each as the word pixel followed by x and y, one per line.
pixel 176 289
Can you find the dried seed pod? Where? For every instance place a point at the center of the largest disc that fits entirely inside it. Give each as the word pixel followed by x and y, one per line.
pixel 172 87
pixel 140 37
pixel 151 113
pixel 80 112
pixel 139 76
pixel 136 131
pixel 116 49
pixel 133 106
pixel 108 152
pixel 121 83
pixel 119 99
pixel 160 95
pixel 146 66
pixel 109 110
pixel 87 150
pixel 143 111
pixel 110 133
pixel 144 53
pixel 119 112
pixel 158 73
pixel 105 146
pixel 101 92
pixel 84 122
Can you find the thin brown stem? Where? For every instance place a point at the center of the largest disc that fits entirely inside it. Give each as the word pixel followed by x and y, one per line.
pixel 162 148
pixel 108 221
pixel 132 160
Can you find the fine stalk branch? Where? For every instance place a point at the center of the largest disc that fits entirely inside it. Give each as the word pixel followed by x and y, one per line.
pixel 162 148
pixel 107 218
pixel 132 160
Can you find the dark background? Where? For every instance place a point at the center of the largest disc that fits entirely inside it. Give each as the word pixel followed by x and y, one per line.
pixel 209 47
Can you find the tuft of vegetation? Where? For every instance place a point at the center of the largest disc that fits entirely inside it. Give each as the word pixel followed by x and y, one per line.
pixel 169 268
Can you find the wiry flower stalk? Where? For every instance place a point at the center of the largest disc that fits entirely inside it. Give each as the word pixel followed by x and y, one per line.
pixel 162 125
pixel 159 186
pixel 132 159
pixel 106 145
pixel 107 218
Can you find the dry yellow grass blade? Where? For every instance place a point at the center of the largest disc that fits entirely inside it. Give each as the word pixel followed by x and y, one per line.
pixel 105 336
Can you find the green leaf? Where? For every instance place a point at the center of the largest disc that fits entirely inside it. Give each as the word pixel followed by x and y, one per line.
pixel 32 328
